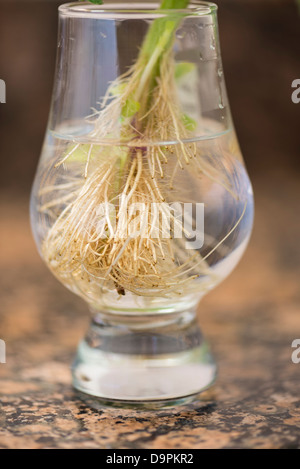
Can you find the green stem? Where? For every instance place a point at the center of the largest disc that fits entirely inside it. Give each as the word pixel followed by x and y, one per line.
pixel 158 26
pixel 158 42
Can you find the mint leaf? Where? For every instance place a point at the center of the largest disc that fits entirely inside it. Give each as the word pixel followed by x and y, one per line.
pixel 130 108
pixel 189 122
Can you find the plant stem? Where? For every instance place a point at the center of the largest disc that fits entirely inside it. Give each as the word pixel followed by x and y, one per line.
pixel 158 42
pixel 158 27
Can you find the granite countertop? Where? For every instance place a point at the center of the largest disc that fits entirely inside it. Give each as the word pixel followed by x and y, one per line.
pixel 250 320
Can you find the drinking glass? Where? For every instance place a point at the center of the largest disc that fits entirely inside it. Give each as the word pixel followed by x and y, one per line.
pixel 141 213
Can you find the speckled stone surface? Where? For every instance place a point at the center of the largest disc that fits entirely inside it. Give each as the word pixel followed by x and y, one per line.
pixel 250 320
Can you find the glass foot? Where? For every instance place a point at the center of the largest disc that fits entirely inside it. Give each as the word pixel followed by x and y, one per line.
pixel 163 361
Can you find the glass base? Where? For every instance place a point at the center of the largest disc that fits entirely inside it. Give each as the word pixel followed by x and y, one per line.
pixel 98 403
pixel 125 360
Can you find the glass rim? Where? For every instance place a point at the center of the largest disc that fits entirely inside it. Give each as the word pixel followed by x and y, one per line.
pixel 137 10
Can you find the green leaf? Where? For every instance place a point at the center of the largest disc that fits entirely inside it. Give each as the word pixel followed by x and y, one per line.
pixel 130 108
pixel 189 122
pixel 98 2
pixel 183 68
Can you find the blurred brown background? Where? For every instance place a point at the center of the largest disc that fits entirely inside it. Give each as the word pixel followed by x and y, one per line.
pixel 251 318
